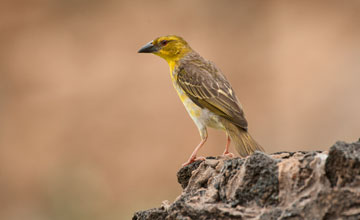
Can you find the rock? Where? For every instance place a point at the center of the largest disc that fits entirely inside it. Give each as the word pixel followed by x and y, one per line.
pixel 343 165
pixel 185 174
pixel 283 185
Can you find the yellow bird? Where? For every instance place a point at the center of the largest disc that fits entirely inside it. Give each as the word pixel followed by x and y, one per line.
pixel 205 93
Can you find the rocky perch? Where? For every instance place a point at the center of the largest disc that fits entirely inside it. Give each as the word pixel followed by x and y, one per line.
pixel 284 185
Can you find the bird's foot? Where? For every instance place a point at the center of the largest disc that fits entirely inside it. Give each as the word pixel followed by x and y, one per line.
pixel 228 154
pixel 192 160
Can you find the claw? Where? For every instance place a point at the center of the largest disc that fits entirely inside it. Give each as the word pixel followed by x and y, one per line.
pixel 192 160
pixel 228 154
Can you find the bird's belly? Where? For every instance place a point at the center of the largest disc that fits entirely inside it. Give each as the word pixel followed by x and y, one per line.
pixel 201 116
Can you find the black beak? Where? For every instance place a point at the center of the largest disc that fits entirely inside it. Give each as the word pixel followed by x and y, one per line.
pixel 148 48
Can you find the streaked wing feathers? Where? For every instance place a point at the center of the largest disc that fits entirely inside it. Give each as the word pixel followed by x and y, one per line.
pixel 208 88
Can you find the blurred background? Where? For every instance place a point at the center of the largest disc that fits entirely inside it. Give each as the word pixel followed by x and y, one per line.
pixel 90 129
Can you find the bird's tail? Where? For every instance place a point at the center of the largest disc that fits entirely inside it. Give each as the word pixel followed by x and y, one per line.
pixel 243 142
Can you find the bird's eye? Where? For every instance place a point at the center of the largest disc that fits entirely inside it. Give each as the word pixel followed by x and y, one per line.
pixel 164 42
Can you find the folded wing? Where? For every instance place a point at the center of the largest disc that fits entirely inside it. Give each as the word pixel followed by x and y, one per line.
pixel 208 88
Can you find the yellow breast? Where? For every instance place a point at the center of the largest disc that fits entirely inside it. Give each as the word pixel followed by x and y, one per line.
pixel 191 107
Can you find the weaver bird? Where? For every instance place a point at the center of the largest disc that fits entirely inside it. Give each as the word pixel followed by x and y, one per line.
pixel 206 94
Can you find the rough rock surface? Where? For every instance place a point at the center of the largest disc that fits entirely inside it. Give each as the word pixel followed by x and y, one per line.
pixel 284 185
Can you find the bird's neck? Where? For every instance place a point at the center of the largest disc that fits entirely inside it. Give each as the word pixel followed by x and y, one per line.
pixel 176 62
pixel 175 55
pixel 173 64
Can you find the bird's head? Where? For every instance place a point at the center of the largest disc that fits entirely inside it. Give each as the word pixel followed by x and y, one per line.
pixel 171 48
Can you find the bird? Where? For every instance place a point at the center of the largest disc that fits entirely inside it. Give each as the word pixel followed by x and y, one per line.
pixel 206 94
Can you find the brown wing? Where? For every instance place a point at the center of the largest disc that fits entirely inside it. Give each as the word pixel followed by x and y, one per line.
pixel 208 88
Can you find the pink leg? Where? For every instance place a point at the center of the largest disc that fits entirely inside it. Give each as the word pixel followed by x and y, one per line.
pixel 226 152
pixel 193 157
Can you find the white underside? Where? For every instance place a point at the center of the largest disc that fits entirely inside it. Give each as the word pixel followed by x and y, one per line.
pixel 202 117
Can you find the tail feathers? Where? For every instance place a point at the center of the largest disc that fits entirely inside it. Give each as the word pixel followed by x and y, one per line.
pixel 242 140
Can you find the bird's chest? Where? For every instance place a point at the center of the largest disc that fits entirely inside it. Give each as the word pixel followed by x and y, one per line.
pixel 201 116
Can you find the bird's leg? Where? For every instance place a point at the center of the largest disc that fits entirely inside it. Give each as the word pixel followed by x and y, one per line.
pixel 193 158
pixel 226 152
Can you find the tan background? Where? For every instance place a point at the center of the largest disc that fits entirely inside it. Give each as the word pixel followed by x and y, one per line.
pixel 89 129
